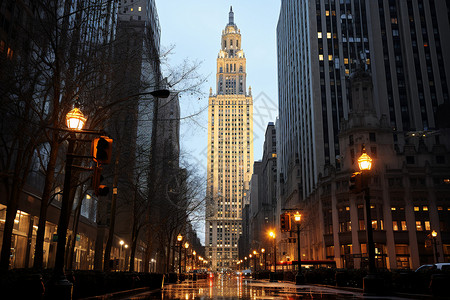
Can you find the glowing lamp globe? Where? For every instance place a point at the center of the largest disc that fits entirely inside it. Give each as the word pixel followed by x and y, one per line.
pixel 263 250
pixel 434 233
pixel 365 162
pixel 272 234
pixel 179 237
pixel 75 119
pixel 186 245
pixel 297 217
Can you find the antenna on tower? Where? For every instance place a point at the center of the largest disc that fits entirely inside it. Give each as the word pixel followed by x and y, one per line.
pixel 231 16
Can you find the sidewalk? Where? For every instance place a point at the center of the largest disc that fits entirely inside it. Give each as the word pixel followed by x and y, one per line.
pixel 357 292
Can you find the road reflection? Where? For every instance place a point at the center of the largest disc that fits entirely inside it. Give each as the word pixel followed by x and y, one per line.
pixel 234 287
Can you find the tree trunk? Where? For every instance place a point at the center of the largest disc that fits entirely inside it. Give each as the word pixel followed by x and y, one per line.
pixel 76 219
pixel 49 180
pixel 133 247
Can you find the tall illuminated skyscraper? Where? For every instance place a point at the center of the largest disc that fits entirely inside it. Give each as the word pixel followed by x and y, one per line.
pixel 230 151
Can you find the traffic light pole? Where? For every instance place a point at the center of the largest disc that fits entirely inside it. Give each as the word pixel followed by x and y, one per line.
pixel 299 278
pixel 371 283
pixel 61 288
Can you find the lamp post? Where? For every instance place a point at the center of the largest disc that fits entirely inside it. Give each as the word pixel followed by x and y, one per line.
pixel 179 239
pixel 120 254
pixel 273 275
pixel 125 263
pixel 61 287
pixel 186 246
pixel 263 251
pixel 371 283
pixel 254 259
pixel 434 235
pixel 193 259
pixel 299 278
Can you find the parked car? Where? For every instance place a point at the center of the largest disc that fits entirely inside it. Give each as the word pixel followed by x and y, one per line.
pixel 247 272
pixel 429 268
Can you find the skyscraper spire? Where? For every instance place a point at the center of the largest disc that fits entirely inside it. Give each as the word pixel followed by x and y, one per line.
pixel 231 16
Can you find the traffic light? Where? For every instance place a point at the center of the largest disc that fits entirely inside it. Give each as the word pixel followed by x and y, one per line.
pixel 101 149
pixel 355 183
pixel 97 178
pixel 285 222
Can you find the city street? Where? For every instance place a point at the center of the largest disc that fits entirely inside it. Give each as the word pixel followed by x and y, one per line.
pixel 233 287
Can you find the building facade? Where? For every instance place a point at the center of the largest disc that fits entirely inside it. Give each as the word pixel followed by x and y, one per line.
pixel 230 150
pixel 96 30
pixel 399 43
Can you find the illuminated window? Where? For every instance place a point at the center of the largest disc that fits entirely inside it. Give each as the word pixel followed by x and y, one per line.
pixel 440 208
pixel 131 9
pixel 374 224
pixel 347 208
pixel 319 35
pixel 347 72
pixel 404 225
pixel 320 57
pixel 394 225
pixel 362 225
pixel 330 57
pixel 425 208
pixel 328 35
pixel 416 208
pixel 393 208
pixel 327 13
pixel 427 225
pixel 139 8
pixel 419 226
pixel 346 61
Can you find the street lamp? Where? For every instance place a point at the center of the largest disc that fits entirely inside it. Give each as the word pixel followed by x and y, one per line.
pixel 434 235
pixel 186 246
pixel 299 279
pixel 371 284
pixel 254 259
pixel 120 253
pixel 193 259
pixel 263 251
pixel 272 275
pixel 62 288
pixel 179 239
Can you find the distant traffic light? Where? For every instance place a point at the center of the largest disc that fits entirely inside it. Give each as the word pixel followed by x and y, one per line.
pixel 355 183
pixel 285 222
pixel 101 149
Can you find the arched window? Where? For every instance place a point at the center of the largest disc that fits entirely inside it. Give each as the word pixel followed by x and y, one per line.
pixel 231 42
pixel 237 43
pixel 224 43
pixel 241 69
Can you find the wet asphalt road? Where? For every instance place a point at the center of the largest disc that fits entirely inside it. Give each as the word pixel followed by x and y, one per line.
pixel 233 287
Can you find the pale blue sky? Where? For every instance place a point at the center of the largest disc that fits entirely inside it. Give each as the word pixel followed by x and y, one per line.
pixel 195 28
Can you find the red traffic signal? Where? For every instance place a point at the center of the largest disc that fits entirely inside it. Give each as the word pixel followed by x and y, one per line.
pixel 101 149
pixel 285 222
